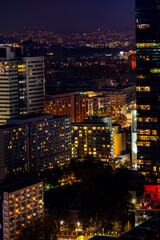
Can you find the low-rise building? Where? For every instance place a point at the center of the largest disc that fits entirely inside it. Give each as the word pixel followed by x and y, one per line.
pixel 20 200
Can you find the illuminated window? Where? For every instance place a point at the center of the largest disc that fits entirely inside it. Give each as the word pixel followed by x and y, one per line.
pixel 144 173
pixel 154 132
pixel 143 26
pixel 144 107
pixel 148 138
pixel 143 89
pixel 148 45
pixel 143 144
pixel 140 77
pixel 154 168
pixel 147 119
pixel 144 131
pixel 155 70
pixel 140 162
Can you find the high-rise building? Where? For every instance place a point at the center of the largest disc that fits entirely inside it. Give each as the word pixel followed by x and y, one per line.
pixel 148 88
pixel 34 143
pixel 20 200
pixel 22 86
pixel 93 137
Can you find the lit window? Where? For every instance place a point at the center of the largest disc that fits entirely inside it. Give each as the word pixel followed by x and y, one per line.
pixel 143 26
pixel 143 89
pixel 154 168
pixel 144 107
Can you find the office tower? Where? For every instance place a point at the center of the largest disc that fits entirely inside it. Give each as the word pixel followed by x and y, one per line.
pixel 20 200
pixel 22 86
pixel 32 85
pixel 34 143
pixel 148 88
pixel 93 137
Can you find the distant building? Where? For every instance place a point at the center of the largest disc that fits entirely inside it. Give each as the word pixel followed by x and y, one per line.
pixel 121 99
pixel 20 200
pixel 98 105
pixel 34 143
pixel 22 86
pixel 69 104
pixel 102 83
pixel 93 137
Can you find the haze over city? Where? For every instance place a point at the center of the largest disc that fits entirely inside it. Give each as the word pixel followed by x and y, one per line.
pixel 67 16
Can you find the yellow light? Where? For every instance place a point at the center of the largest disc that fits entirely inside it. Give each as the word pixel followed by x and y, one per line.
pixel 155 70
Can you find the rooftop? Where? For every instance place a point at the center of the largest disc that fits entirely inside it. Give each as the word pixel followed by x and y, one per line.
pixel 148 230
pixel 17 184
pixel 102 238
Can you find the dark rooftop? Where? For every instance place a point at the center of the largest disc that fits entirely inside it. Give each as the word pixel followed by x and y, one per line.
pixel 103 238
pixel 148 230
pixel 17 184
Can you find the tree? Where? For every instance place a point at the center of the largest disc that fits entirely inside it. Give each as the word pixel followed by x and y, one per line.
pixel 43 228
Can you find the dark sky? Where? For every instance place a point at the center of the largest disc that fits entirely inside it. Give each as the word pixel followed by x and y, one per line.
pixel 66 15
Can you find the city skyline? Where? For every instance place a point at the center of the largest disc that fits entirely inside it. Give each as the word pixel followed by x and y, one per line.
pixel 67 16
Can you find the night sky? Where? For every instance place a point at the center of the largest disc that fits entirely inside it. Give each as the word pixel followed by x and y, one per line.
pixel 67 15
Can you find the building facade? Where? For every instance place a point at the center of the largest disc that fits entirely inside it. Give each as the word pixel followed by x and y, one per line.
pixel 148 88
pixel 21 200
pixel 121 99
pixel 93 137
pixel 70 104
pixel 22 85
pixel 34 143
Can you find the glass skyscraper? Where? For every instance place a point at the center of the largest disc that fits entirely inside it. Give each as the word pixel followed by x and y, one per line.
pixel 148 88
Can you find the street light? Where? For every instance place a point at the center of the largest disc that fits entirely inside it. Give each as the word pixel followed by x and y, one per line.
pixel 61 222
